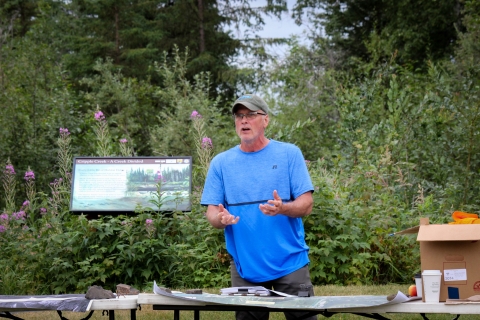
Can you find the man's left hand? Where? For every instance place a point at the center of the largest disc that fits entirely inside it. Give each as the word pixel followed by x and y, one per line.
pixel 274 206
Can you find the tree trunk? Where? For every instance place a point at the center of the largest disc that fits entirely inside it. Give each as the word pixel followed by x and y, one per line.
pixel 202 31
pixel 117 37
pixel 5 31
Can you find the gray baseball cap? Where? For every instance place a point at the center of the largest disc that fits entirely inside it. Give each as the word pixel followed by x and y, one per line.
pixel 252 102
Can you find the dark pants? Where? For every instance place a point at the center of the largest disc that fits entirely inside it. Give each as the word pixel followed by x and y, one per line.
pixel 287 284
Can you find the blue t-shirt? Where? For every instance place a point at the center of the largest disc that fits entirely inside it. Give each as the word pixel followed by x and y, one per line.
pixel 263 247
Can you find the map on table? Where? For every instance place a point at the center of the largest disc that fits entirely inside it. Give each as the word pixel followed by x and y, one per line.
pixel 286 302
pixel 61 302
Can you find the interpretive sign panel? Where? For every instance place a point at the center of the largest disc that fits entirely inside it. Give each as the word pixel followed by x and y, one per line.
pixel 119 185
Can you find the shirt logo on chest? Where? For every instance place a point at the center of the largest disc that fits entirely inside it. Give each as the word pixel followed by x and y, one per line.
pixel 274 166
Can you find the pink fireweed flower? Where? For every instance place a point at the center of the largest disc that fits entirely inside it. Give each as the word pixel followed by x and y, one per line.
pixel 159 177
pixel 308 163
pixel 43 211
pixel 29 175
pixel 123 140
pixel 4 217
pixel 195 115
pixel 207 143
pixel 9 169
pixel 99 116
pixel 64 132
pixel 20 215
pixel 26 203
pixel 2 229
pixel 149 226
pixel 56 182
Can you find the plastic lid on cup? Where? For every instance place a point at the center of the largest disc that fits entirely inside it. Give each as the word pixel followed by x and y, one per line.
pixel 418 275
pixel 431 273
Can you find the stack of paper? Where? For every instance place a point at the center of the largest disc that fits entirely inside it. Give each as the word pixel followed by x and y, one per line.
pixel 257 291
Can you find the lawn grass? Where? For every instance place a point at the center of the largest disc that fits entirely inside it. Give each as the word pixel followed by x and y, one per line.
pixel 147 313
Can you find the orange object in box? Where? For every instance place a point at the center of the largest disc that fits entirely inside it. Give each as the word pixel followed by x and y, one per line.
pixel 460 217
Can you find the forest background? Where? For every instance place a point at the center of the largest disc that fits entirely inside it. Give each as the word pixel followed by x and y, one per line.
pixel 384 103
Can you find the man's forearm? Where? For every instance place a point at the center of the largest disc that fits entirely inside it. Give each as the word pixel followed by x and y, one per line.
pixel 212 217
pixel 300 207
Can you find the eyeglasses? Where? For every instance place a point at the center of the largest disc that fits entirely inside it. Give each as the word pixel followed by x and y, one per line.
pixel 249 116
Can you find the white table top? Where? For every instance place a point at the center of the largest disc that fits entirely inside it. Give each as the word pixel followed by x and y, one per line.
pixel 130 302
pixel 152 298
pixel 416 306
pixel 127 302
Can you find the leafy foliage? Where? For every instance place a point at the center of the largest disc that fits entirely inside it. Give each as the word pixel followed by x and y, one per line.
pixel 371 30
pixel 35 104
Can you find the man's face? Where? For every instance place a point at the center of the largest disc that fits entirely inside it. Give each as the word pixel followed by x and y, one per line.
pixel 250 130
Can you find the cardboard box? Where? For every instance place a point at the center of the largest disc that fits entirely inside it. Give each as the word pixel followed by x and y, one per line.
pixel 454 249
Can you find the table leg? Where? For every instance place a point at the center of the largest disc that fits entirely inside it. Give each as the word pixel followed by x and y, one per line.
pixel 8 315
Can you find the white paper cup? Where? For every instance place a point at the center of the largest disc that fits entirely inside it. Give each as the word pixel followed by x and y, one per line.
pixel 431 285
pixel 418 283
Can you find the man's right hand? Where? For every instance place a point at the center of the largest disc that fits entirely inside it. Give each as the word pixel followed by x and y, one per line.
pixel 219 217
pixel 225 217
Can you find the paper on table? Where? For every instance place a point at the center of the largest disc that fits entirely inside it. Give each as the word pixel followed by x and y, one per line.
pixel 401 297
pixel 258 290
pixel 163 291
pixel 255 290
